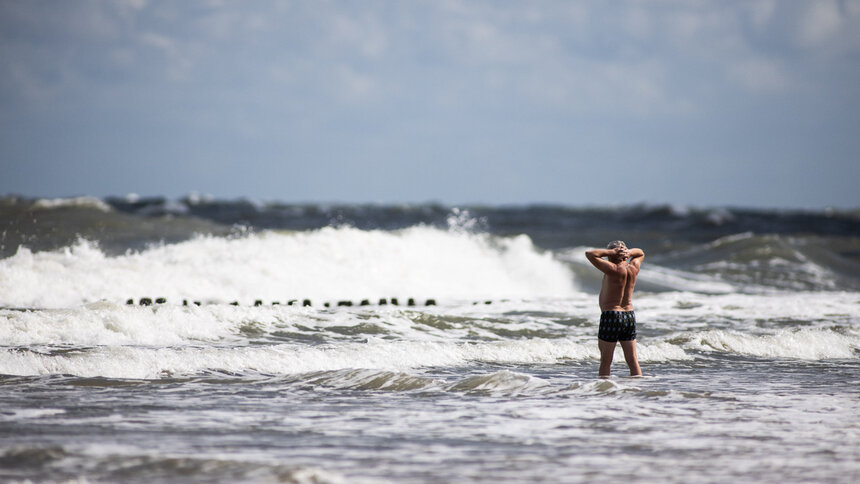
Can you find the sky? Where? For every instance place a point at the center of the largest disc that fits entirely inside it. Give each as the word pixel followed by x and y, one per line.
pixel 581 103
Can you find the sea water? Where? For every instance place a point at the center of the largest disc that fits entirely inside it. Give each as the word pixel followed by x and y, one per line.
pixel 748 336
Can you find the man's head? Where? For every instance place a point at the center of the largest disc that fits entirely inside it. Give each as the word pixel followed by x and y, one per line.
pixel 619 249
pixel 616 244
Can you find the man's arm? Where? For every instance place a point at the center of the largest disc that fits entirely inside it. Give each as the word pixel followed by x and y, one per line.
pixel 636 257
pixel 595 256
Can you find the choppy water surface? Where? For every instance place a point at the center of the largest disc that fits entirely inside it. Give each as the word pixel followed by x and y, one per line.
pixel 749 336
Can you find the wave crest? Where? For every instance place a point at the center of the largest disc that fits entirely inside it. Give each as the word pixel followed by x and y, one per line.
pixel 329 264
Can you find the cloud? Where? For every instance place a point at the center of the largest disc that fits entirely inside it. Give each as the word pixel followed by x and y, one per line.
pixel 353 86
pixel 761 12
pixel 458 81
pixel 365 36
pixel 821 22
pixel 589 57
pixel 758 75
pixel 158 41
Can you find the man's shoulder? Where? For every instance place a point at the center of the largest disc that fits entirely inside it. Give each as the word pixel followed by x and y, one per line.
pixel 617 271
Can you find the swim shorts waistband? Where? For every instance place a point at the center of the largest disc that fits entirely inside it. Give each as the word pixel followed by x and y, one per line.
pixel 620 313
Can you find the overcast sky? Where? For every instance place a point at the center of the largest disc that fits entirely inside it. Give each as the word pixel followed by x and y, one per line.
pixel 730 103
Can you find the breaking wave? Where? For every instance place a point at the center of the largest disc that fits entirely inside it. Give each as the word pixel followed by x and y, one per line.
pixel 329 263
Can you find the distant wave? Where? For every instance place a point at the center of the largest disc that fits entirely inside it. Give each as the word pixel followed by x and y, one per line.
pixel 78 202
pixel 709 250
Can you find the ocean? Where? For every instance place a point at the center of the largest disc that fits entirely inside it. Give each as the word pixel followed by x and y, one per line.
pixel 203 340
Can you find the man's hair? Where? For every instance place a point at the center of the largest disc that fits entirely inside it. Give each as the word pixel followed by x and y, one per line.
pixel 615 244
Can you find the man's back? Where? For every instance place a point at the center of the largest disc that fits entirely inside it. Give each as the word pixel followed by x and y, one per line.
pixel 619 276
pixel 617 291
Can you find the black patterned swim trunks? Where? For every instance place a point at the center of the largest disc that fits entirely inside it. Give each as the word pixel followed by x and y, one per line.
pixel 617 326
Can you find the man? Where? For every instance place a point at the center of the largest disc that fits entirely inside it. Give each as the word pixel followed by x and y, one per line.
pixel 617 320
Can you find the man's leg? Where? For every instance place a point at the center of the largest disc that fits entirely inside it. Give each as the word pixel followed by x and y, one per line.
pixel 629 348
pixel 607 350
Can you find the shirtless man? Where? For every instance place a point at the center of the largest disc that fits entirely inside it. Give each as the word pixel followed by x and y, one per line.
pixel 617 320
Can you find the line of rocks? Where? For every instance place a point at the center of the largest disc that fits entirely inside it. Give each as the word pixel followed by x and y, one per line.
pixel 146 301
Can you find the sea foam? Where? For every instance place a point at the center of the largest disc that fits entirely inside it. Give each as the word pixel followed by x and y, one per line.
pixel 804 344
pixel 142 362
pixel 80 202
pixel 330 263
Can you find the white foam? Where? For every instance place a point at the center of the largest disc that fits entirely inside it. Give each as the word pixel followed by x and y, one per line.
pixel 684 281
pixel 804 344
pixel 688 310
pixel 84 202
pixel 105 323
pixel 500 382
pixel 149 362
pixel 365 379
pixel 657 351
pixel 330 263
pixel 786 273
pixel 15 414
pixel 113 324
